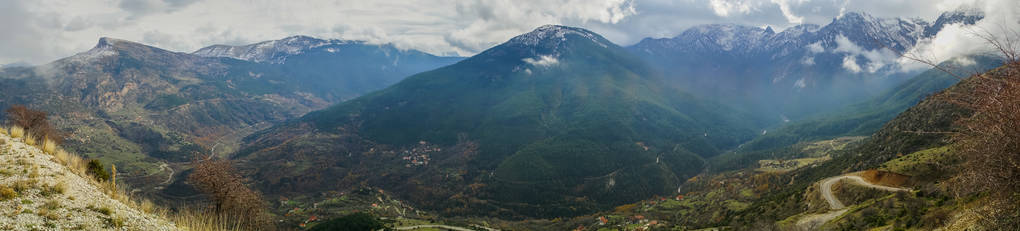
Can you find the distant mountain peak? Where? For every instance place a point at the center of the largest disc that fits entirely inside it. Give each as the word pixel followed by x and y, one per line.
pixel 106 47
pixel 852 17
pixel 555 34
pixel 115 43
pixel 272 51
pixel 965 15
pixel 964 11
pixel 107 41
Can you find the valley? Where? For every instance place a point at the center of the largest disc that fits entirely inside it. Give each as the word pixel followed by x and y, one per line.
pixel 848 121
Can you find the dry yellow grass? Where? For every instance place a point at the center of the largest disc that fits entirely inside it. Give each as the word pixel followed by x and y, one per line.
pixel 201 220
pixel 185 219
pixel 49 146
pixel 3 131
pixel 73 162
pixel 33 171
pixel 147 206
pixel 29 140
pixel 17 132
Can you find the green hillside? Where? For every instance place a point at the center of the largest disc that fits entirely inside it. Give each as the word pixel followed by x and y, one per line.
pixel 563 121
pixel 861 119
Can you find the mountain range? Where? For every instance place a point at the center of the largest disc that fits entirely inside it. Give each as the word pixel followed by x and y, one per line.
pixel 147 109
pixel 796 72
pixel 555 122
pixel 364 67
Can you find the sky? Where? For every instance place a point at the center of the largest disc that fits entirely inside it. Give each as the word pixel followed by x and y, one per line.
pixel 40 31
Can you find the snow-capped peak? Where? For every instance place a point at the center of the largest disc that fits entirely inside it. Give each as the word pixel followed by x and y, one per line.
pixel 104 48
pixel 273 51
pixel 555 34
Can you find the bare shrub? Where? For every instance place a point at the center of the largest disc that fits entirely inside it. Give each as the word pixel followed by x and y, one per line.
pixel 34 121
pixel 220 181
pixel 989 140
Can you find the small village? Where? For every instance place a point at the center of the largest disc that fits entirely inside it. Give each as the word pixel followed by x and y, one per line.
pixel 419 154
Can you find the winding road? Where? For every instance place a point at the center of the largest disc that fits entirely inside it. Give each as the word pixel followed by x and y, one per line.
pixel 836 207
pixel 170 177
pixel 413 227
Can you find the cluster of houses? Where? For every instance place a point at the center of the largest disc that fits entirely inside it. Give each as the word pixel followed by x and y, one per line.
pixel 419 155
pixel 636 222
pixel 778 164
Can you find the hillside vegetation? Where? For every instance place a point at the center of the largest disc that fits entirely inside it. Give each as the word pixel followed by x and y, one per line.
pixel 509 134
pixel 936 166
pixel 861 119
pixel 150 111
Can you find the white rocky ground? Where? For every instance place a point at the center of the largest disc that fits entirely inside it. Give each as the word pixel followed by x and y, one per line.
pixel 40 204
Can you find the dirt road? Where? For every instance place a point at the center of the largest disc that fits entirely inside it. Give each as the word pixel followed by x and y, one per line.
pixel 836 207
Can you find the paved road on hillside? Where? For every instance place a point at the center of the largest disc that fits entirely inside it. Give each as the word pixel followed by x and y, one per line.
pixel 815 221
pixel 413 227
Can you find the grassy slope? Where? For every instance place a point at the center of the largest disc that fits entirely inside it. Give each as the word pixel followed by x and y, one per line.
pixel 909 132
pixel 50 190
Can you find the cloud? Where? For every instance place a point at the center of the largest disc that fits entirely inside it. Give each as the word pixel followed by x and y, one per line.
pixel 1002 20
pixel 724 7
pixel 800 83
pixel 436 26
pixel 494 21
pixel 542 61
pixel 816 47
pixel 785 7
pixel 875 59
pixel 850 64
pixel 140 8
pixel 808 61
pixel 42 31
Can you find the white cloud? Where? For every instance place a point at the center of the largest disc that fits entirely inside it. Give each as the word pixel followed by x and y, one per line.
pixel 816 47
pixel 38 31
pixel 808 61
pixel 542 61
pixel 724 7
pixel 800 83
pixel 875 60
pixel 1002 18
pixel 965 61
pixel 786 9
pixel 42 31
pixel 843 44
pixel 850 64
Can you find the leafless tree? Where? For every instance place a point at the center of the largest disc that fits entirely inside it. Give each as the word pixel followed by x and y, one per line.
pixel 220 181
pixel 989 139
pixel 34 121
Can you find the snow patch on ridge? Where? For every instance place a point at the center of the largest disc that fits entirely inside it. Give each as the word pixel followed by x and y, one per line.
pixel 103 49
pixel 275 51
pixel 556 34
